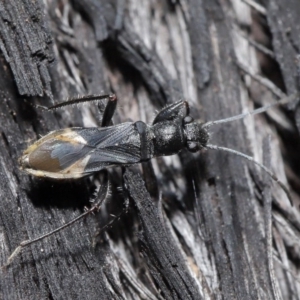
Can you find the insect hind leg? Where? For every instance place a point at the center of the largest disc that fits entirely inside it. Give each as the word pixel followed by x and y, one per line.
pixel 74 101
pixel 102 195
pixel 109 110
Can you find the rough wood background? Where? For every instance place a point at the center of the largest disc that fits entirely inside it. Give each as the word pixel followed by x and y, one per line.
pixel 219 229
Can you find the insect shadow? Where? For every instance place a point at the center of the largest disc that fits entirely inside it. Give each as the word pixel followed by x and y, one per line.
pixel 43 193
pixel 78 152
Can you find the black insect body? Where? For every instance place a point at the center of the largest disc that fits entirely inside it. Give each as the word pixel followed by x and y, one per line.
pixel 77 152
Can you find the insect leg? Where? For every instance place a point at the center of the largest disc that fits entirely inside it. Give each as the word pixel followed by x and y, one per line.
pixel 109 110
pixel 172 111
pixel 102 194
pixel 75 101
pixel 125 191
pixel 118 216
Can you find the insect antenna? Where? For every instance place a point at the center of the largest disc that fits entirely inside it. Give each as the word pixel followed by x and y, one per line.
pixel 250 158
pixel 253 112
pixel 102 194
pixel 78 100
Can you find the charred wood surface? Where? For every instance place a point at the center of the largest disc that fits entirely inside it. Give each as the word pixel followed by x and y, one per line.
pixel 210 226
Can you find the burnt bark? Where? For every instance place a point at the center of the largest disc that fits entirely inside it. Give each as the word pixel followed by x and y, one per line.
pixel 212 225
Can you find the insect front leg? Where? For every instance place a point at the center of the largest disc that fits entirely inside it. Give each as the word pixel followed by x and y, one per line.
pixel 179 109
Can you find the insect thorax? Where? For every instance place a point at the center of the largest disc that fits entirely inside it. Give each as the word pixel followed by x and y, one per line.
pixel 168 137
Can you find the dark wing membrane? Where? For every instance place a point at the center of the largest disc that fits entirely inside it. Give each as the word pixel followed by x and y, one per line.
pixel 114 145
pixel 104 158
pixel 57 151
pixel 67 153
pixel 107 136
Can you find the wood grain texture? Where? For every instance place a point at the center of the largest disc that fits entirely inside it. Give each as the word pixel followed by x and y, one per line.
pixel 218 229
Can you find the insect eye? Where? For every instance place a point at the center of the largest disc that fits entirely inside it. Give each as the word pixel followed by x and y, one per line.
pixel 192 146
pixel 188 120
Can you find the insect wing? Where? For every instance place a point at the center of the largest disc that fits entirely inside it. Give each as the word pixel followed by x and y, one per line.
pixel 115 145
pixel 77 152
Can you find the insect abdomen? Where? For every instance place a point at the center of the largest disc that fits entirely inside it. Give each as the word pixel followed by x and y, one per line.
pixel 60 154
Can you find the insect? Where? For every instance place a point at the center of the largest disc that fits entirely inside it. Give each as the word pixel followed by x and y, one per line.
pixel 77 152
